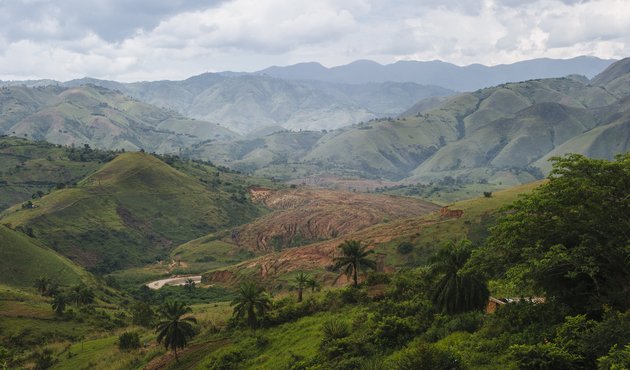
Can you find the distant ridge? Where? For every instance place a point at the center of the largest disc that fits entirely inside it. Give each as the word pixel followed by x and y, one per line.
pixel 439 73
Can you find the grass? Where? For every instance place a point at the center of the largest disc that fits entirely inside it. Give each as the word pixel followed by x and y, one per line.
pixel 25 259
pixel 130 212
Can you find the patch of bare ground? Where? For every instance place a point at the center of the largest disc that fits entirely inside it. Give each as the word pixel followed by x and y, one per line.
pixel 306 215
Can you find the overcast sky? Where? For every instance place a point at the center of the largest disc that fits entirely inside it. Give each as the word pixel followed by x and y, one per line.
pixel 131 40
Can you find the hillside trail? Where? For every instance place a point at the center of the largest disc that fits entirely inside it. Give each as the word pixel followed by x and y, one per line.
pixel 173 281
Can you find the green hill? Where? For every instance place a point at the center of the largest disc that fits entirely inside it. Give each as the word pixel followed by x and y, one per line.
pixel 100 117
pixel 493 134
pixel 133 210
pixel 25 259
pixel 29 169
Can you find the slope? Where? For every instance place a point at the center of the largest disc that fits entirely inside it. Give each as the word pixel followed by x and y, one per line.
pixel 247 103
pixel 425 233
pixel 100 117
pixel 30 169
pixel 24 260
pixel 132 210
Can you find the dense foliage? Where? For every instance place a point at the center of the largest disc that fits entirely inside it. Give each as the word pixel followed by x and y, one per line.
pixel 570 238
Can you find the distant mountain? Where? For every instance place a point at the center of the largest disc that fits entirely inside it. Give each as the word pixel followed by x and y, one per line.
pixel 468 78
pixel 247 103
pixel 100 117
pixel 503 134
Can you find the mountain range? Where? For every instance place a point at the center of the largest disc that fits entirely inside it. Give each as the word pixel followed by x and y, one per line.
pixel 289 128
pixel 501 133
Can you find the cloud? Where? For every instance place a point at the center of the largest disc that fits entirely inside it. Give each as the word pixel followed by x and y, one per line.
pixel 111 20
pixel 157 39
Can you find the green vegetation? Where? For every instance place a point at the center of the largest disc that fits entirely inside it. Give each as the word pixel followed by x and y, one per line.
pixel 26 262
pixel 174 329
pixel 457 291
pixel 353 259
pixel 251 304
pixel 135 201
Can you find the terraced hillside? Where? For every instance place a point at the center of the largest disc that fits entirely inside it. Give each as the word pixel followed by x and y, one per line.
pixel 133 210
pixel 424 233
pixel 303 216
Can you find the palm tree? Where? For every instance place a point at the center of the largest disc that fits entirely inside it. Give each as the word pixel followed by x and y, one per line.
pixel 252 301
pixel 354 258
pixel 81 294
pixel 313 284
pixel 59 303
pixel 189 284
pixel 42 283
pixel 458 290
pixel 174 329
pixel 302 280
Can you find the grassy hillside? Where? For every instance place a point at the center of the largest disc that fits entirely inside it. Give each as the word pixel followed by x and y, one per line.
pixel 24 259
pixel 30 169
pixel 102 118
pixel 134 209
pixel 248 103
pixel 495 134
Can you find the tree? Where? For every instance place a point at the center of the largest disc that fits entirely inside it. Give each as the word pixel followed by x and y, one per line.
pixel 354 258
pixel 457 290
pixel 313 284
pixel 569 238
pixel 302 280
pixel 129 340
pixel 142 314
pixel 173 329
pixel 81 294
pixel 41 284
pixel 189 285
pixel 252 301
pixel 59 303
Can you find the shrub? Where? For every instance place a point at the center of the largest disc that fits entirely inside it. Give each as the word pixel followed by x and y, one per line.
pixel 487 194
pixel 374 278
pixel 542 356
pixel 617 359
pixel 404 248
pixel 335 329
pixel 129 340
pixel 424 356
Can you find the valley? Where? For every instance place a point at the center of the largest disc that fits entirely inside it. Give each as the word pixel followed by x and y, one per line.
pixel 302 240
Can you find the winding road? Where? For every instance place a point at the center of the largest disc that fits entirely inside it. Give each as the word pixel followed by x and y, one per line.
pixel 174 281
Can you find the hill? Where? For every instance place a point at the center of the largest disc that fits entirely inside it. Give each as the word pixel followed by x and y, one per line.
pixel 100 117
pixel 24 259
pixel 247 103
pixel 500 135
pixel 133 210
pixel 30 169
pixel 425 233
pixel 305 215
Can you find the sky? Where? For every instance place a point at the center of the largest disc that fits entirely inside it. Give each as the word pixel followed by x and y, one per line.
pixel 138 40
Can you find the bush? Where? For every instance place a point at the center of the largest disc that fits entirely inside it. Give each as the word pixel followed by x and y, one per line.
pixel 487 194
pixel 424 356
pixel 404 248
pixel 335 329
pixel 542 356
pixel 617 359
pixel 129 340
pixel 375 278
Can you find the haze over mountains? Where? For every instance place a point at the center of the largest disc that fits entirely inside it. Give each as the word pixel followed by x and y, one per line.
pixel 503 133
